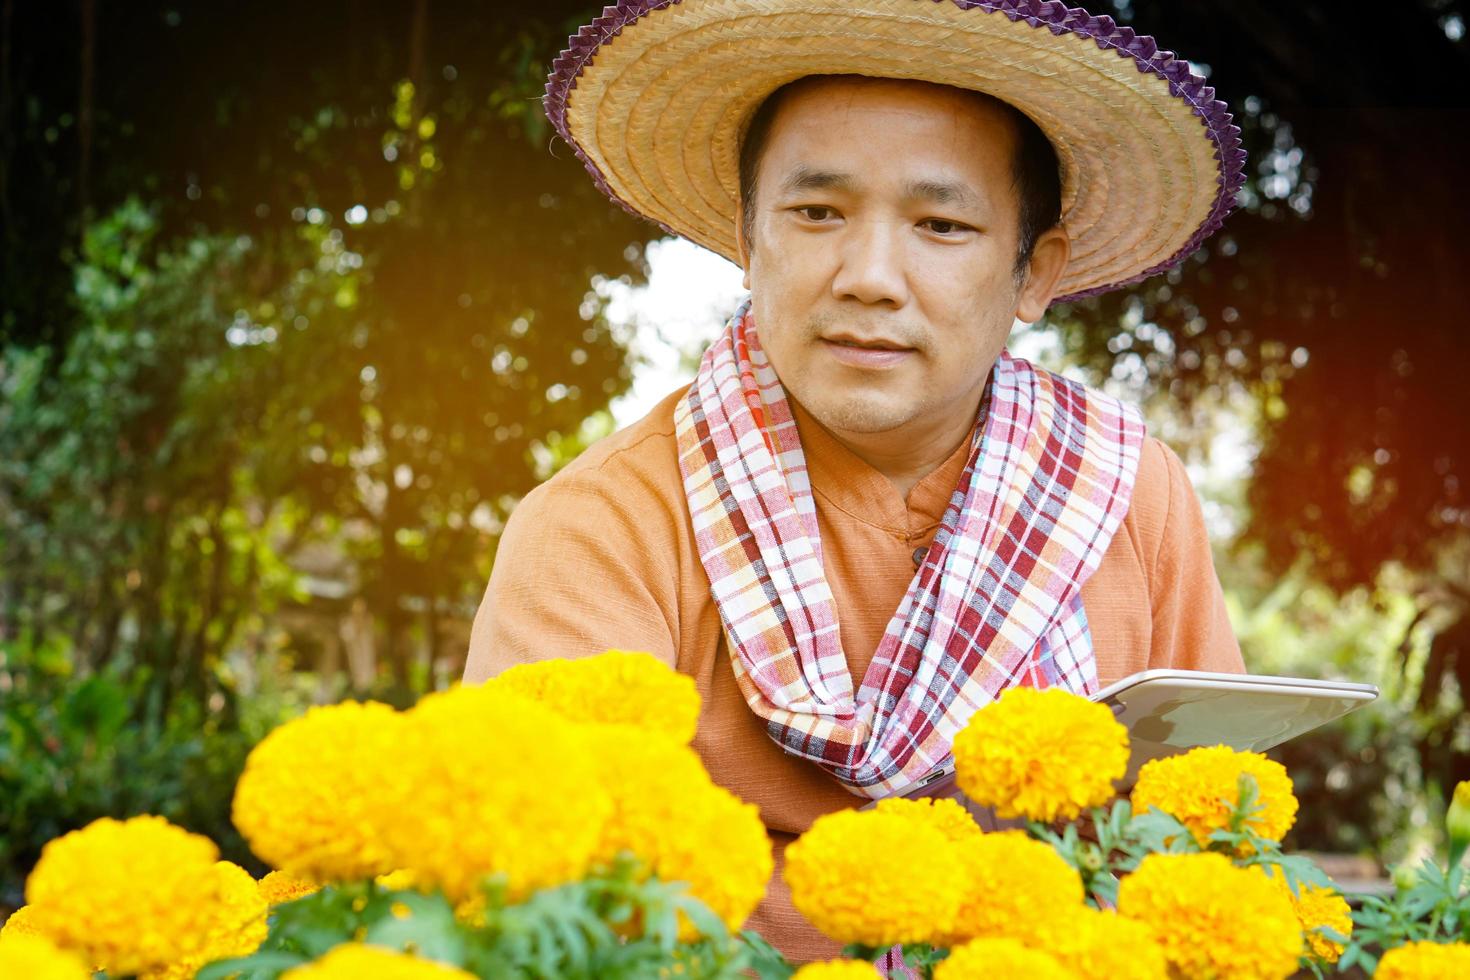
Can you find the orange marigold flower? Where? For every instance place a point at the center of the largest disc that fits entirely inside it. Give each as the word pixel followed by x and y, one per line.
pixel 278 888
pixel 1318 909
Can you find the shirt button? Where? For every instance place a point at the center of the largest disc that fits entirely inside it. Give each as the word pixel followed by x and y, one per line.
pixel 919 554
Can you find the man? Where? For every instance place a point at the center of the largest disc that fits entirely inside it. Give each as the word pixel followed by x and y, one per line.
pixel 865 519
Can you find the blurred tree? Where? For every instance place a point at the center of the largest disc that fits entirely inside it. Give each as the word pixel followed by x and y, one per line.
pixel 408 319
pixel 1335 298
pixel 405 142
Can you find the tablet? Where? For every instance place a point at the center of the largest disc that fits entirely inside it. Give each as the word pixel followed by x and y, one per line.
pixel 1171 711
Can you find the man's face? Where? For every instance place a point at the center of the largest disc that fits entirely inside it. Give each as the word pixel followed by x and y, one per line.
pixel 882 252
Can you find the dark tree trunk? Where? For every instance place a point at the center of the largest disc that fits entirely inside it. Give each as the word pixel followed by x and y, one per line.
pixel 84 109
pixel 7 219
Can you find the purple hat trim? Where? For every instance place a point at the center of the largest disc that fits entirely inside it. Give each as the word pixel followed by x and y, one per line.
pixel 1051 14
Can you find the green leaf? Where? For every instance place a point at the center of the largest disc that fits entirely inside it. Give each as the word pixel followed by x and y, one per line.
pixel 429 931
pixel 765 959
pixel 702 918
pixel 256 965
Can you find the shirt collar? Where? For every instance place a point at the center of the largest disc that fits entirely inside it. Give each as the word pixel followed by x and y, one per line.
pixel 842 479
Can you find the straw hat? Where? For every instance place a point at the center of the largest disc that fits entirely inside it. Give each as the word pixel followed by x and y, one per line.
pixel 655 95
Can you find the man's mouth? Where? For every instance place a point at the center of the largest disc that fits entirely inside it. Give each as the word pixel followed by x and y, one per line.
pixel 867 353
pixel 865 343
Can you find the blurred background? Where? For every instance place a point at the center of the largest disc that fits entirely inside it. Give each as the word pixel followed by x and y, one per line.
pixel 297 300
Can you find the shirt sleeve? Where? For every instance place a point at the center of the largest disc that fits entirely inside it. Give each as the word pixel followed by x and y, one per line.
pixel 577 572
pixel 1191 627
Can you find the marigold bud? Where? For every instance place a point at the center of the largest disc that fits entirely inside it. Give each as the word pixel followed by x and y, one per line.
pixel 1405 876
pixel 1457 822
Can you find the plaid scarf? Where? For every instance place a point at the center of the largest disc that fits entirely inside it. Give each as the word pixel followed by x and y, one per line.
pixel 995 602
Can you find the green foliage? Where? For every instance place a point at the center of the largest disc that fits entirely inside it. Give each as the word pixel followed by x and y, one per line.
pixel 1371 781
pixel 222 411
pixel 765 959
pixel 1431 903
pixel 1117 840
pixel 613 924
pixel 351 349
pixel 131 520
pixel 1435 907
pixel 75 748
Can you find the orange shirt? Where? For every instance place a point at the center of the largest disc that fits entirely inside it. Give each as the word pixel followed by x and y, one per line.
pixel 603 555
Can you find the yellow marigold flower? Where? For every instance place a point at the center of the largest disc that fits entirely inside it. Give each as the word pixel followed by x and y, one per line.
pixel 470 912
pixel 946 816
pixel 617 687
pixel 1008 877
pixel 1043 755
pixel 1200 789
pixel 1105 946
pixel 1425 961
pixel 488 782
pixel 278 888
pixel 647 776
pixel 1216 920
pixel 310 798
pixel 862 876
pixel 837 970
pixel 35 957
pixel 21 923
pixel 666 810
pixel 721 849
pixel 989 959
pixel 128 896
pixel 239 927
pixel 353 961
pixel 1317 909
pixel 397 881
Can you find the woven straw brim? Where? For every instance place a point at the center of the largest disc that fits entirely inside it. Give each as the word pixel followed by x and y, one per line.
pixel 655 97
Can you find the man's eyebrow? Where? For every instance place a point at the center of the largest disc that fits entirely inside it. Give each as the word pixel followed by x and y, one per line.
pixel 804 178
pixel 941 192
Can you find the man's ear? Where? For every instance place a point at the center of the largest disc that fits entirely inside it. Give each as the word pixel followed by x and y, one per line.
pixel 742 247
pixel 1043 272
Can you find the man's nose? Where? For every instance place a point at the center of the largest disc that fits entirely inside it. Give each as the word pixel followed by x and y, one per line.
pixel 873 265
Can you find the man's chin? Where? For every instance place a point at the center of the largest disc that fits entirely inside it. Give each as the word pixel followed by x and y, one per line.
pixel 861 416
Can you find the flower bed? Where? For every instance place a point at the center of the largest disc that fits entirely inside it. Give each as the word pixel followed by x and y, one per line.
pixel 556 823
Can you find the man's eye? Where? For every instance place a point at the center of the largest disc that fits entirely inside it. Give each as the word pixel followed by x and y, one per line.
pixel 942 227
pixel 816 212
